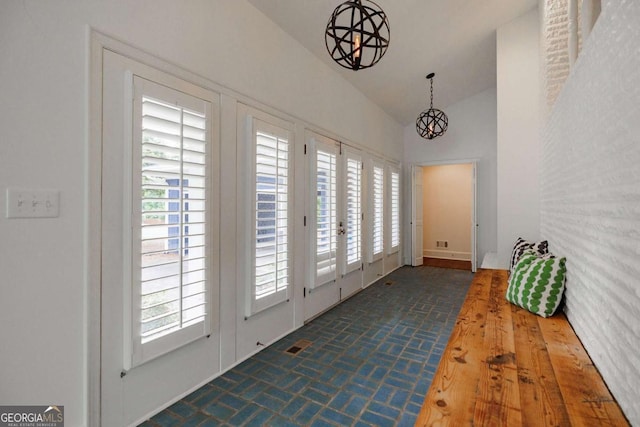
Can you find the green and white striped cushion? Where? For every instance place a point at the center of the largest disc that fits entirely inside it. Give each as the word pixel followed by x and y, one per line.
pixel 537 283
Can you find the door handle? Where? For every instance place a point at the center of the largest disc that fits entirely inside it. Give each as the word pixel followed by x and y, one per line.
pixel 341 229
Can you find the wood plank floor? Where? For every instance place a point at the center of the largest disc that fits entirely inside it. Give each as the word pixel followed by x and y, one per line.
pixel 447 263
pixel 504 366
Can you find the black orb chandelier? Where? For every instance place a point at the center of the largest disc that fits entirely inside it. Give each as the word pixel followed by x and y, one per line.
pixel 357 34
pixel 432 123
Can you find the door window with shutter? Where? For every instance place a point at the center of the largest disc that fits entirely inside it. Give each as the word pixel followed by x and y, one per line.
pixel 353 173
pixel 377 212
pixel 170 245
pixel 324 182
pixel 270 239
pixel 394 210
pixel 325 216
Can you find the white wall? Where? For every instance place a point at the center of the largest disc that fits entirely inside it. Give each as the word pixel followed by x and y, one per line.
pixel 44 144
pixel 471 136
pixel 554 42
pixel 518 74
pixel 590 197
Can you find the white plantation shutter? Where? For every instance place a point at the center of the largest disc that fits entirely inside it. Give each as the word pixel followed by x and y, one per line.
pixel 394 219
pixel 377 212
pixel 170 218
pixel 353 227
pixel 326 216
pixel 270 240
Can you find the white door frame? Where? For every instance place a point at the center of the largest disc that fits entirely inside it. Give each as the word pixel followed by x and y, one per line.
pixel 417 209
pixel 473 220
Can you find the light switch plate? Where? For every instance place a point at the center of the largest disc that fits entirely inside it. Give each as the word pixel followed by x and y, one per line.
pixel 23 203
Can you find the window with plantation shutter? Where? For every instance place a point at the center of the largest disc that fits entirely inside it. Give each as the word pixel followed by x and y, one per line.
pixel 171 216
pixel 353 175
pixel 377 212
pixel 394 220
pixel 271 219
pixel 326 215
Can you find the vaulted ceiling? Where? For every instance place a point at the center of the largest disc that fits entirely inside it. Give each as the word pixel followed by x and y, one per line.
pixel 453 38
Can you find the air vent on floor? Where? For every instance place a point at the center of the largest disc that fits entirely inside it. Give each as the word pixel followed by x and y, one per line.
pixel 298 346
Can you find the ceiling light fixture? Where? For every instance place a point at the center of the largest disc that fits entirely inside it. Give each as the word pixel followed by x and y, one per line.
pixel 357 34
pixel 432 122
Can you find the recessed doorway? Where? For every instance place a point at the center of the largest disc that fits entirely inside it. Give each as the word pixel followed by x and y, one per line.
pixel 444 225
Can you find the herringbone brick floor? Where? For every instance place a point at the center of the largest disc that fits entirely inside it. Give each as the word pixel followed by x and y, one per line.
pixel 370 363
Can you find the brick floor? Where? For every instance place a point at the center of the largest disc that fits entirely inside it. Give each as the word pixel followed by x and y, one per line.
pixel 370 363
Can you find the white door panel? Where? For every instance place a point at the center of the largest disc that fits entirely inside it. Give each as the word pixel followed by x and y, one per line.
pixel 264 309
pixel 322 289
pixel 352 180
pixel 129 393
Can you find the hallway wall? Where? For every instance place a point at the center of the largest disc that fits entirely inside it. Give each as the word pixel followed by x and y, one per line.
pixel 518 74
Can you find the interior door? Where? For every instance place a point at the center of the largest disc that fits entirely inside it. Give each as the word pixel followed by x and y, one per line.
pixel 416 216
pixel 334 222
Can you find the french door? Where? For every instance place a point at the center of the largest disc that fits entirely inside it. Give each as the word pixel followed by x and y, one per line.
pixel 334 223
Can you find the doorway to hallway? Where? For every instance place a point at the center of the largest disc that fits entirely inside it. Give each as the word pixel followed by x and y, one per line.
pixel 444 215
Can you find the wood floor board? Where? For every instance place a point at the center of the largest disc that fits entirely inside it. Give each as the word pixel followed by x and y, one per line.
pixel 498 395
pixel 540 397
pixel 585 394
pixel 457 264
